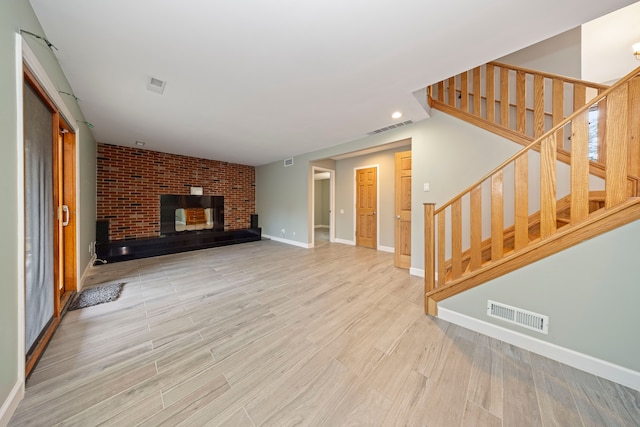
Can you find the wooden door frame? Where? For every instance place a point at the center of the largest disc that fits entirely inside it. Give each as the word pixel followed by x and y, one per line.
pixel 332 204
pixel 355 201
pixel 28 63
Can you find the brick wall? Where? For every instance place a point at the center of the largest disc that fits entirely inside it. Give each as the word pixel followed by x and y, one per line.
pixel 131 180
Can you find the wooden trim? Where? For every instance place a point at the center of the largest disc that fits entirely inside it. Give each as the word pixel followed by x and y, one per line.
pixel 538 106
pixel 521 100
pixel 476 228
pixel 441 248
pixel 580 168
pixel 607 220
pixel 464 91
pixel 521 217
pixel 634 128
pixel 616 147
pixel 452 91
pixel 456 239
pixel 491 95
pixel 430 245
pixel 548 181
pixel 557 111
pixel 504 98
pixel 550 76
pixel 477 97
pixel 497 215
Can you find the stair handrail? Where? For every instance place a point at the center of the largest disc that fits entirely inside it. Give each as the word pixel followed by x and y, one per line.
pixel 617 188
pixel 554 129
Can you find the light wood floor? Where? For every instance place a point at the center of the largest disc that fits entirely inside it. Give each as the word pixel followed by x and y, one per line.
pixel 268 334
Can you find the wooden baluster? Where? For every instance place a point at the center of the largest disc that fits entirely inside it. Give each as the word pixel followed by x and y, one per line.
pixel 521 102
pixel 475 215
pixel 602 131
pixel 452 91
pixel 429 248
pixel 477 92
pixel 491 94
pixel 521 173
pixel 616 147
pixel 538 106
pixel 456 239
pixel 634 129
pixel 442 240
pixel 580 168
pixel 548 156
pixel 504 98
pixel 557 109
pixel 464 91
pixel 497 216
pixel 579 96
pixel 441 91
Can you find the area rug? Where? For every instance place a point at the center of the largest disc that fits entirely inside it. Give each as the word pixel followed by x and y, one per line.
pixel 95 296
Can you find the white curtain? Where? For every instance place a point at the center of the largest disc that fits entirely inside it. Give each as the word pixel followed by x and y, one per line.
pixel 39 216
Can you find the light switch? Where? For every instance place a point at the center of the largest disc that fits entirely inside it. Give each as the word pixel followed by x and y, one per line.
pixel 426 186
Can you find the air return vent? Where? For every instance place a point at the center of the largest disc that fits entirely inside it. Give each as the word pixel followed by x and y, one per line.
pixel 288 162
pixel 386 128
pixel 518 316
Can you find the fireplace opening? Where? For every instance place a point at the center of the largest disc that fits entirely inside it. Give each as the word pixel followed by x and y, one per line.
pixel 188 213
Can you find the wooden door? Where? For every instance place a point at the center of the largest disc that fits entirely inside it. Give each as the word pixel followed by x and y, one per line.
pixel 402 210
pixel 366 205
pixel 50 235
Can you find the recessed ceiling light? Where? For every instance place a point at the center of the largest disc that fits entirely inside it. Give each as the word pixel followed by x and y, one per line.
pixel 396 115
pixel 140 143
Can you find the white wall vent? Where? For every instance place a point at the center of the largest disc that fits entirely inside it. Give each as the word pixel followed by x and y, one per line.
pixel 156 85
pixel 288 162
pixel 518 316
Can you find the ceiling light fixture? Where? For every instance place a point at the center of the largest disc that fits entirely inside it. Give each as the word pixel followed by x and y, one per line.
pixel 396 115
pixel 636 50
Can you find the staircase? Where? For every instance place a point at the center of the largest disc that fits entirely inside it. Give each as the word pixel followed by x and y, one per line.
pixel 577 176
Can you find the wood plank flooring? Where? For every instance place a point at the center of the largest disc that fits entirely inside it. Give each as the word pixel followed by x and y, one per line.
pixel 266 334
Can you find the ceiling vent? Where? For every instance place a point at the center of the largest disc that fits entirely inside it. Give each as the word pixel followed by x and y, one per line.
pixel 518 316
pixel 156 85
pixel 288 162
pixel 386 128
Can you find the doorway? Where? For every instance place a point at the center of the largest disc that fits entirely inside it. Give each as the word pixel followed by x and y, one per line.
pixel 322 209
pixel 402 210
pixel 50 224
pixel 367 207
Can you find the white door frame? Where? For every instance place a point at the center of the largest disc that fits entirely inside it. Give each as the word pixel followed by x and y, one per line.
pixel 332 197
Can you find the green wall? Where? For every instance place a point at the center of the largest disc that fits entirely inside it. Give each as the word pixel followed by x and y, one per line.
pixel 16 15
pixel 590 293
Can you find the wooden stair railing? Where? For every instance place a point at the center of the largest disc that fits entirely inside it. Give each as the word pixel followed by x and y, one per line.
pixel 522 104
pixel 467 221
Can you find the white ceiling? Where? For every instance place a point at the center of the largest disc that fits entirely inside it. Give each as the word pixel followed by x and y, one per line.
pixel 253 81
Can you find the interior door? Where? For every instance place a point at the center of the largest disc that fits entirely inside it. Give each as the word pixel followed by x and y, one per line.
pixel 50 252
pixel 366 205
pixel 402 210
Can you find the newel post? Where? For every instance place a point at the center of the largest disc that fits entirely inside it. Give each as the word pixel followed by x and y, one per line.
pixel 429 252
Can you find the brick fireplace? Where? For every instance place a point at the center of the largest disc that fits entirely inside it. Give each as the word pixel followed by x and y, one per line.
pixel 131 181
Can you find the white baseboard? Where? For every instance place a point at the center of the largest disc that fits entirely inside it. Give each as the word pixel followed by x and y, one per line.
pixel 386 249
pixel 322 226
pixel 9 406
pixel 287 241
pixel 86 271
pixel 419 272
pixel 345 242
pixel 584 362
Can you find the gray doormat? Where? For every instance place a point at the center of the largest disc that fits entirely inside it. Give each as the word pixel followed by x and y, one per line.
pixel 95 296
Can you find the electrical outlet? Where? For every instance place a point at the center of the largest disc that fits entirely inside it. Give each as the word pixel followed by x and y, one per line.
pixel 282 232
